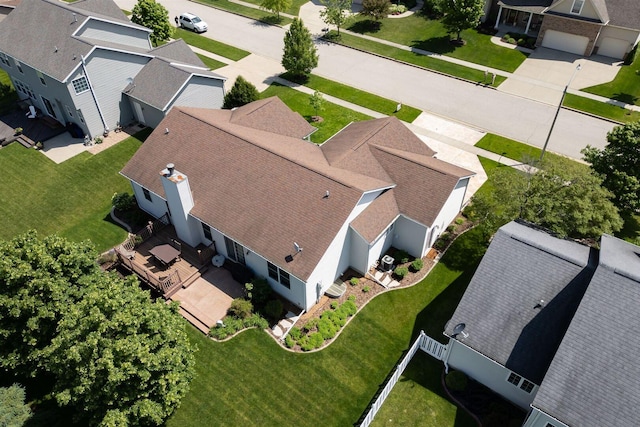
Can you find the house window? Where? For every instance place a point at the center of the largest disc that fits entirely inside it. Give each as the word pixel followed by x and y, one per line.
pixel 41 77
pixel 577 7
pixel 527 386
pixel 235 251
pixel 24 88
pixel 48 106
pixel 207 231
pixel 147 194
pixel 514 379
pixel 549 425
pixel 80 85
pixel 278 274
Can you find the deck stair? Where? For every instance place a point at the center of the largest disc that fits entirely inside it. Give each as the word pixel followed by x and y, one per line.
pixel 337 289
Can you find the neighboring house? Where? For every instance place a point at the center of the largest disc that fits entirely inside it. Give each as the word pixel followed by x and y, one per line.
pixel 86 63
pixel 554 327
pixel 6 7
pixel 583 27
pixel 295 213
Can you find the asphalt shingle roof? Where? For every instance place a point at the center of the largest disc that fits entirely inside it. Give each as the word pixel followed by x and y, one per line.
pixel 522 267
pixel 594 377
pixel 376 217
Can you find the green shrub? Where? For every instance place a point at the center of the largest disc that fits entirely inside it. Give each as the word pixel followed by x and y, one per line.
pixel 456 381
pixel 459 221
pixel 631 56
pixel 13 410
pixel 352 298
pixel 354 281
pixel 334 304
pixel 366 289
pixel 451 228
pixel 295 333
pixel 311 325
pixel 255 321
pixel 258 291
pixel 511 41
pixel 123 201
pixel 400 272
pixel 316 340
pixel 402 256
pixel 231 326
pixel 417 264
pixel 242 92
pixel 240 308
pixel 350 307
pixel 273 309
pixel 338 317
pixel 289 341
pixel 327 328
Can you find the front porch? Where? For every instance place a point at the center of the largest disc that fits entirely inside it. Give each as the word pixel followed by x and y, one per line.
pixel 518 21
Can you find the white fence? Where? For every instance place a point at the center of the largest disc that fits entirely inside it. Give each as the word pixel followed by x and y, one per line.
pixel 423 342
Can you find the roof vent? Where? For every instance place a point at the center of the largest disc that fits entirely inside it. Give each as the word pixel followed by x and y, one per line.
pixel 75 18
pixel 540 304
pixel 326 195
pixel 170 168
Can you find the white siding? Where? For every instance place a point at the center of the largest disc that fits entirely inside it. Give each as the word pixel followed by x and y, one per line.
pixel 156 207
pixel 114 33
pixel 410 236
pixel 487 372
pixel 449 211
pixel 359 252
pixel 200 92
pixel 539 419
pixel 588 11
pixel 152 116
pixel 108 72
pixel 85 103
pixel 380 246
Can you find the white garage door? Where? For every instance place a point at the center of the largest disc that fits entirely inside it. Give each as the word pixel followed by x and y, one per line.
pixel 614 48
pixel 565 42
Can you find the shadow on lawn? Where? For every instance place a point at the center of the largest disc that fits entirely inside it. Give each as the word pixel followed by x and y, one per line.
pixel 441 45
pixel 625 97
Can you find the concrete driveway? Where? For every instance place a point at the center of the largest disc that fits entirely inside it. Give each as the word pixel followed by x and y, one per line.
pixel 543 76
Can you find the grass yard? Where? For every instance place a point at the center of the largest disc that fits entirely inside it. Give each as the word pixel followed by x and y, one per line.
pixel 210 62
pixel 601 109
pixel 250 380
pixel 210 45
pixel 72 199
pixel 512 149
pixel 335 117
pixel 359 97
pixel 249 12
pixel 294 9
pixel 434 64
pixel 419 32
pixel 625 87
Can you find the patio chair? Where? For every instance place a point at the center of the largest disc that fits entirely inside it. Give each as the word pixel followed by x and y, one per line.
pixel 32 114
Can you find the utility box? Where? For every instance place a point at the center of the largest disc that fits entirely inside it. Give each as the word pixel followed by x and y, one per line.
pixel 386 263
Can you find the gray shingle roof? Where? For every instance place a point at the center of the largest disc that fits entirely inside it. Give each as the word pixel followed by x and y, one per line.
pixel 594 378
pixel 376 217
pixel 624 13
pixel 521 267
pixel 535 6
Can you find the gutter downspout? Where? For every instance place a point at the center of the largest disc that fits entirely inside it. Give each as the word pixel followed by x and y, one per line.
pixel 93 93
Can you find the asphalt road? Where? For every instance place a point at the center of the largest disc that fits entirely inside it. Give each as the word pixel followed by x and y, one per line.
pixel 476 106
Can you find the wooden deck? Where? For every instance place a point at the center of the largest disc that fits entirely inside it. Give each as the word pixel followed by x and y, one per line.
pixel 167 280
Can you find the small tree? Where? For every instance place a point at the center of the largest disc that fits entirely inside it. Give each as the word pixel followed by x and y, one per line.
pixel 619 165
pixel 300 54
pixel 317 102
pixel 13 411
pixel 276 6
pixel 154 16
pixel 336 12
pixel 460 15
pixel 376 9
pixel 242 92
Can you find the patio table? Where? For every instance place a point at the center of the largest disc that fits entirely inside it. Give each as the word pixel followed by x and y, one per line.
pixel 166 254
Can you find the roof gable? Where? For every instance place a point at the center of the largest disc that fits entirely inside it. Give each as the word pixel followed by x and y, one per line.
pixel 272 115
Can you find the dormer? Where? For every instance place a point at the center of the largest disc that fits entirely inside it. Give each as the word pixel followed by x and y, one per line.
pixel 580 9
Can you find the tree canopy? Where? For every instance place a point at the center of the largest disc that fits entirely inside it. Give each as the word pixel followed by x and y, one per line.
pixel 300 54
pixel 117 357
pixel 376 9
pixel 460 15
pixel 154 16
pixel 336 12
pixel 13 411
pixel 242 92
pixel 275 6
pixel 619 165
pixel 562 196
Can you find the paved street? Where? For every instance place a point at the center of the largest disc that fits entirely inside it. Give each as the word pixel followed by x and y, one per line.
pixel 476 106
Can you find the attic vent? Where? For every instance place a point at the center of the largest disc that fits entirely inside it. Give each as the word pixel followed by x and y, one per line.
pixel 326 195
pixel 75 18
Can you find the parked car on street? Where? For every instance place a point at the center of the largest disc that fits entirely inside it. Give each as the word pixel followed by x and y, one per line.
pixel 192 22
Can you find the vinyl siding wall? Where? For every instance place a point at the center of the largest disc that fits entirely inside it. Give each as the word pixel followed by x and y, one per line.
pixel 109 72
pixel 114 33
pixel 449 211
pixel 201 92
pixel 152 115
pixel 588 10
pixel 156 207
pixel 539 419
pixel 410 236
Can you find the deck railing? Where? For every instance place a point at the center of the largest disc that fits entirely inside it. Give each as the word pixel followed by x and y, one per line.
pixel 166 285
pixel 143 235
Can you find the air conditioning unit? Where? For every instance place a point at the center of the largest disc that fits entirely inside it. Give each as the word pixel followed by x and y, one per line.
pixel 386 263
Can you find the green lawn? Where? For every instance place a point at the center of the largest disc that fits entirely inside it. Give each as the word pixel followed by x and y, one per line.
pixel 250 380
pixel 359 97
pixel 72 199
pixel 434 64
pixel 601 109
pixel 625 87
pixel 419 32
pixel 210 45
pixel 294 9
pixel 249 12
pixel 512 149
pixel 210 62
pixel 335 117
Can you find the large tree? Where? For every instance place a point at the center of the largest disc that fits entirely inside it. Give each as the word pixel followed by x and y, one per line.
pixel 562 196
pixel 119 358
pixel 13 411
pixel 154 16
pixel 619 165
pixel 276 6
pixel 242 92
pixel 300 55
pixel 376 9
pixel 336 12
pixel 460 15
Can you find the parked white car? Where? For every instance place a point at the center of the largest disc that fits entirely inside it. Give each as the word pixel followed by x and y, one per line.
pixel 192 22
